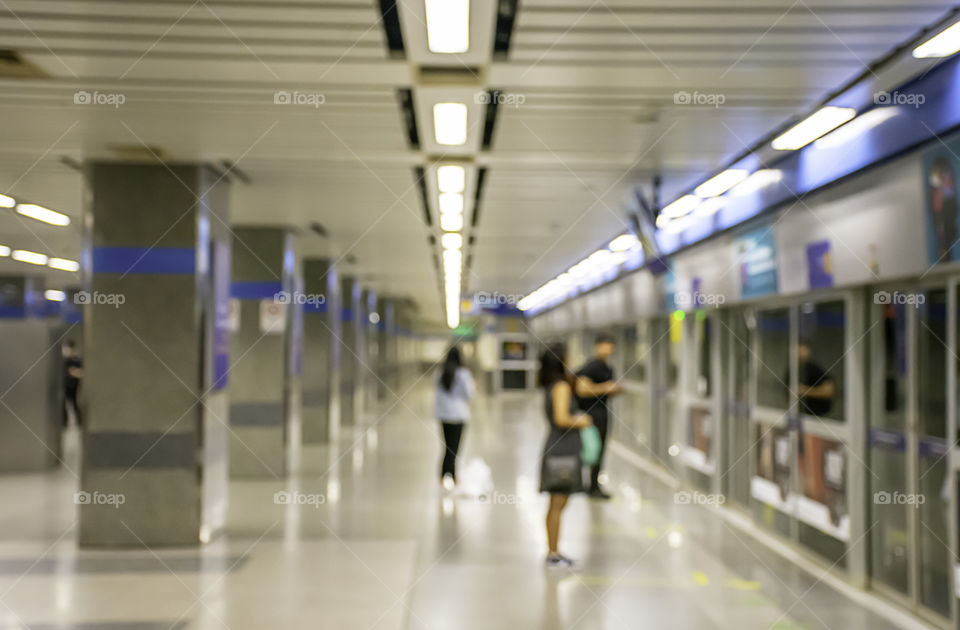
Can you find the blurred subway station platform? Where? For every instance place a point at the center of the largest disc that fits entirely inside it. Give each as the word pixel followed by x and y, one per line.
pixel 479 314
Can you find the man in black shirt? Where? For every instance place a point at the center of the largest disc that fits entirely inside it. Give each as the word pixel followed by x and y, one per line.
pixel 73 372
pixel 595 386
pixel 816 390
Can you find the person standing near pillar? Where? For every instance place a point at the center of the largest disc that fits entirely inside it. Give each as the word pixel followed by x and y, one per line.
pixel 595 386
pixel 73 373
pixel 455 388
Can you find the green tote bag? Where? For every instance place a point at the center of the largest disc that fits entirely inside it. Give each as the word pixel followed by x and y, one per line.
pixel 590 446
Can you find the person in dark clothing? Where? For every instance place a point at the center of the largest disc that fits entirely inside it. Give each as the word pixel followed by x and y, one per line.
pixel 73 374
pixel 816 390
pixel 562 445
pixel 455 388
pixel 595 386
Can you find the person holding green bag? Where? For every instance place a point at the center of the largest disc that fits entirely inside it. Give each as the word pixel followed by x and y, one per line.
pixel 595 386
pixel 561 468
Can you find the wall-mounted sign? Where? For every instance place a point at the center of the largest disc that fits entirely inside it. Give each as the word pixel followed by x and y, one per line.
pixel 940 168
pixel 820 265
pixel 756 256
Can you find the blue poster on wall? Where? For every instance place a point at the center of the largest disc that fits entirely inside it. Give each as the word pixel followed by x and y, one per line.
pixel 819 265
pixel 757 259
pixel 940 168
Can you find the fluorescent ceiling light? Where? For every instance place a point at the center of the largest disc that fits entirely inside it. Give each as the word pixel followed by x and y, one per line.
pixel 662 220
pixel 683 205
pixel 857 126
pixel 677 225
pixel 451 203
pixel 942 45
pixel 54 295
pixel 450 123
pixel 42 214
pixel 760 179
pixel 451 240
pixel 452 257
pixel 803 133
pixel 451 222
pixel 624 242
pixel 451 178
pixel 719 184
pixel 7 202
pixel 4 250
pixel 33 258
pixel 63 264
pixel 448 26
pixel 710 206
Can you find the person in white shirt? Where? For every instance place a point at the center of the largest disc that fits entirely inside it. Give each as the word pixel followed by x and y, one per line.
pixel 455 388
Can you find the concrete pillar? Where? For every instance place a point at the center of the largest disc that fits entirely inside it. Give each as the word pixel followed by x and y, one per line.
pixel 156 366
pixel 349 367
pixel 372 356
pixel 321 351
pixel 388 348
pixel 31 378
pixel 263 300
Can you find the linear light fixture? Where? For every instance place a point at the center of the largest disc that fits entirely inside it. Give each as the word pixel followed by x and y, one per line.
pixel 943 44
pixel 709 207
pixel 448 26
pixel 683 205
pixel 623 243
pixel 760 179
pixel 451 178
pixel 856 127
pixel 22 255
pixel 822 122
pixel 40 213
pixel 451 203
pixel 719 184
pixel 55 296
pixel 64 264
pixel 451 240
pixel 7 202
pixel 4 250
pixel 451 222
pixel 450 123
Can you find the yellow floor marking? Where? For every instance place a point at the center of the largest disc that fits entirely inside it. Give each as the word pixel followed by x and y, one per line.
pixel 651 532
pixel 743 585
pixel 700 578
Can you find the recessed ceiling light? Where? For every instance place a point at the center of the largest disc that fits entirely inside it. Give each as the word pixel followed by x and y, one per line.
pixel 4 250
pixel 451 222
pixel 451 240
pixel 64 264
pixel 683 205
pixel 944 44
pixel 451 178
pixel 623 242
pixel 7 202
pixel 55 296
pixel 719 184
pixel 451 203
pixel 759 179
pixel 450 123
pixel 803 133
pixel 43 214
pixel 33 258
pixel 448 26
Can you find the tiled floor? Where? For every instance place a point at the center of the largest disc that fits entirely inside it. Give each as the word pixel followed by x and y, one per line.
pixel 387 549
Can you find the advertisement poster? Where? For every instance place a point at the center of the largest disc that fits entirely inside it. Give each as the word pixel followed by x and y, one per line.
pixel 771 485
pixel 697 451
pixel 823 504
pixel 820 265
pixel 273 317
pixel 940 168
pixel 757 258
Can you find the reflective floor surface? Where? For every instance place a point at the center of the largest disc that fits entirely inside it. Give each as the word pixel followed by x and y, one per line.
pixel 365 538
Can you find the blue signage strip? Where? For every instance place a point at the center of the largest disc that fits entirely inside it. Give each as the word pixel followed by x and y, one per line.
pixel 315 306
pixel 13 312
pixel 145 260
pixel 255 290
pixel 347 315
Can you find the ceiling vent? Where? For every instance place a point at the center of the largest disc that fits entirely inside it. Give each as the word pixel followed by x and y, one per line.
pixel 137 153
pixel 12 66
pixel 450 75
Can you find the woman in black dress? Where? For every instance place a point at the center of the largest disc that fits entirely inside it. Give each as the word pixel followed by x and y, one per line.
pixel 560 466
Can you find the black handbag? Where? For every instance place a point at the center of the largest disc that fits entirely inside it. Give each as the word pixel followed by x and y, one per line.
pixel 561 473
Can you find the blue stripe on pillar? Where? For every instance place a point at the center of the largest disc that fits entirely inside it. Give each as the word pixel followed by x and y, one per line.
pixel 145 260
pixel 13 312
pixel 315 307
pixel 347 315
pixel 255 290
